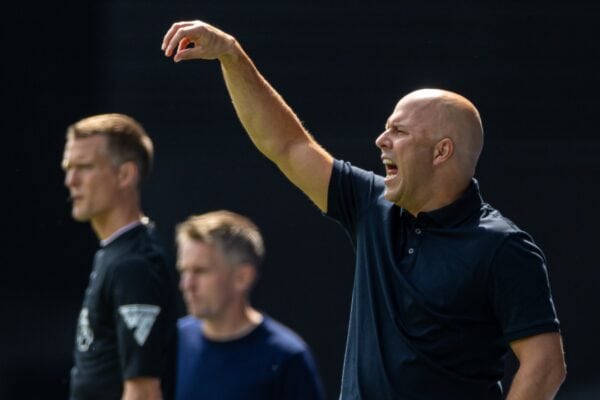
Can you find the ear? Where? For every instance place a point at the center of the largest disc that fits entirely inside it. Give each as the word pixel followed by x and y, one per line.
pixel 128 174
pixel 245 275
pixel 442 151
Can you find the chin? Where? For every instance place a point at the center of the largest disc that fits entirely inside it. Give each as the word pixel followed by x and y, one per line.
pixel 389 196
pixel 196 312
pixel 80 217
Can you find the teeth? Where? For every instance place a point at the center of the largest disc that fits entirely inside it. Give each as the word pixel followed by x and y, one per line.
pixel 390 167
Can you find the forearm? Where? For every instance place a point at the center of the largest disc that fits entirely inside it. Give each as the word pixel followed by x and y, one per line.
pixel 142 389
pixel 536 383
pixel 268 120
pixel 271 124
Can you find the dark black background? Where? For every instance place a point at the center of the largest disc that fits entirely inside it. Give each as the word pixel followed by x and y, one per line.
pixel 530 67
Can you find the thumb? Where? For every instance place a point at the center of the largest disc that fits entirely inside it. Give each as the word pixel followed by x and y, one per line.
pixel 185 54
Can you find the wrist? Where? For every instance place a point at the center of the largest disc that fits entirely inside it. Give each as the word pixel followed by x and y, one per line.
pixel 233 52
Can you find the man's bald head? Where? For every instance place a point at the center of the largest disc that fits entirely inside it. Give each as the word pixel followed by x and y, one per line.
pixel 430 148
pixel 444 114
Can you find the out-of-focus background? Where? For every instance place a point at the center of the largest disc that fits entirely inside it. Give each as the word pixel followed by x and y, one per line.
pixel 530 67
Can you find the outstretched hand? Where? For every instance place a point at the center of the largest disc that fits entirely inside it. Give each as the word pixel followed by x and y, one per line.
pixel 208 42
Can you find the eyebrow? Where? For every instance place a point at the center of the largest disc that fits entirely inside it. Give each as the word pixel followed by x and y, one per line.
pixel 68 163
pixel 396 125
pixel 179 267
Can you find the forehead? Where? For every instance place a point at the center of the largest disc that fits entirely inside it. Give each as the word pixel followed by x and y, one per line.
pixel 192 252
pixel 87 147
pixel 403 114
pixel 415 113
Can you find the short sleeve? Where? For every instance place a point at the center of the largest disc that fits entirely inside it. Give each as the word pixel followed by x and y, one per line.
pixel 351 191
pixel 521 294
pixel 141 310
pixel 301 380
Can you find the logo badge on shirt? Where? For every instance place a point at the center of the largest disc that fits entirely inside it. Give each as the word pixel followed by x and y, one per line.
pixel 140 317
pixel 85 334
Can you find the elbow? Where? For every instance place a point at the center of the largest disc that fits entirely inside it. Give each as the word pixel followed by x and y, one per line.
pixel 561 373
pixel 556 375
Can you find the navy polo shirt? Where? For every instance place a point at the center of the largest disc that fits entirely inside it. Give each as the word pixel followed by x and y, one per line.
pixel 270 363
pixel 436 298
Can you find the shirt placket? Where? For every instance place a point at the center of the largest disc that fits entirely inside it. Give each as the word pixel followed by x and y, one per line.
pixel 413 233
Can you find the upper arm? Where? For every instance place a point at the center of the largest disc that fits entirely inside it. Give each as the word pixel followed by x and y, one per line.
pixel 144 319
pixel 142 389
pixel 540 351
pixel 308 166
pixel 520 290
pixel 301 380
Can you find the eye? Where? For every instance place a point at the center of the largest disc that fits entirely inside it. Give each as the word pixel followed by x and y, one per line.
pixel 399 131
pixel 199 271
pixel 392 130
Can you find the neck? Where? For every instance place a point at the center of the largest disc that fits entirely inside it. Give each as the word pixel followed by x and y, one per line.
pixel 440 195
pixel 233 326
pixel 107 224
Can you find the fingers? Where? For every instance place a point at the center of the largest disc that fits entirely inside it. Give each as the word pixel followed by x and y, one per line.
pixel 183 52
pixel 173 36
pixel 209 42
pixel 183 44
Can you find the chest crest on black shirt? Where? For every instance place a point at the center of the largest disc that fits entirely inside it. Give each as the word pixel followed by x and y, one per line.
pixel 85 335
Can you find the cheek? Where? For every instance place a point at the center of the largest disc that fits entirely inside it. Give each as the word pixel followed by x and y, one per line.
pixel 416 159
pixel 101 192
pixel 221 288
pixel 208 286
pixel 91 186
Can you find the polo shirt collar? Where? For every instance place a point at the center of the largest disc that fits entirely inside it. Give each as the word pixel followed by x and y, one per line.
pixel 124 229
pixel 459 210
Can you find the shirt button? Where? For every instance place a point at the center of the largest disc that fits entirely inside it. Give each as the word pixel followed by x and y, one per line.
pixel 418 231
pixel 411 250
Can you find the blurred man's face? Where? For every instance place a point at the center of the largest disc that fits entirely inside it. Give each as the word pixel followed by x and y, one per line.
pixel 206 279
pixel 91 177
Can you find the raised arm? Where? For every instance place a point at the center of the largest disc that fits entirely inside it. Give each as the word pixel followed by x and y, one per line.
pixel 271 124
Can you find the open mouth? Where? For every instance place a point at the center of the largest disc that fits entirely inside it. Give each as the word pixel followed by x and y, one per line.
pixel 391 169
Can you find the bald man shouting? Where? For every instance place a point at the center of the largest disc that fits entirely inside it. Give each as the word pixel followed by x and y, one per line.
pixel 444 284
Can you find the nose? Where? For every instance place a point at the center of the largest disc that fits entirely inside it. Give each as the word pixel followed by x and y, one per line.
pixel 70 178
pixel 382 140
pixel 184 282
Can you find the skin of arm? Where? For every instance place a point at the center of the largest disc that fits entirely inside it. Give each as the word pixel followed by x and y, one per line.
pixel 271 124
pixel 142 389
pixel 541 367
